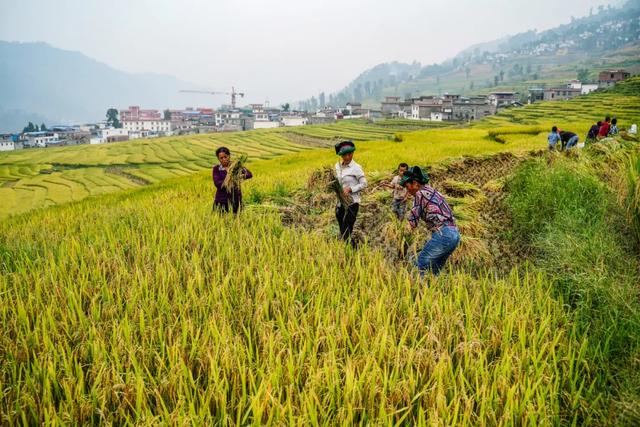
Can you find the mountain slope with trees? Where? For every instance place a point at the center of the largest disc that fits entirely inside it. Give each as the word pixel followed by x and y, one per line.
pixel 607 37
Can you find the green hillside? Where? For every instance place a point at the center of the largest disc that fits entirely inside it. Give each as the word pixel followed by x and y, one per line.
pixel 144 307
pixel 605 39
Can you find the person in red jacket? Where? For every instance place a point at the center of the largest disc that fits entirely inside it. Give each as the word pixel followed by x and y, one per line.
pixel 604 129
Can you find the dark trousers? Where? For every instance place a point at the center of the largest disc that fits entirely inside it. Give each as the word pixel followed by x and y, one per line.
pixel 346 220
pixel 231 205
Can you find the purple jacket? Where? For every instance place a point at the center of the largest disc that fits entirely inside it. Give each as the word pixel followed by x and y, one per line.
pixel 222 195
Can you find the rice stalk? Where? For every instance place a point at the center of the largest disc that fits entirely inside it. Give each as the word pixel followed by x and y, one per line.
pixel 235 173
pixel 326 180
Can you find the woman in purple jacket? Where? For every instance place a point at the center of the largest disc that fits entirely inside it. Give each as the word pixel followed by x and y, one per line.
pixel 226 199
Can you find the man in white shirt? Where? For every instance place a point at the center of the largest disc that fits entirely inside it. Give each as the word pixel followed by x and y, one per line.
pixel 352 179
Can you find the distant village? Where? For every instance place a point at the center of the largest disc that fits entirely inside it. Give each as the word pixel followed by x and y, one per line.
pixel 135 123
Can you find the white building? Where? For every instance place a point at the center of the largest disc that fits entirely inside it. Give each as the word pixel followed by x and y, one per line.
pixel 586 89
pixel 574 84
pixel 352 106
pixel 164 127
pixel 294 121
pixel 7 145
pixel 139 134
pixel 259 113
pixel 41 139
pixel 265 124
pixel 109 135
pixel 224 117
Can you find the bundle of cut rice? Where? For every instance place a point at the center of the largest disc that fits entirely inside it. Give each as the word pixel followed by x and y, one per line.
pixel 235 174
pixel 326 180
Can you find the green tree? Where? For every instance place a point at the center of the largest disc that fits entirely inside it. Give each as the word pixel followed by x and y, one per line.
pixel 112 118
pixel 167 115
pixel 583 74
pixel 30 128
pixel 286 107
pixel 43 127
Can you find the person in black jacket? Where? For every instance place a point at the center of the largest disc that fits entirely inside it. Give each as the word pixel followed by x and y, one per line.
pixel 593 132
pixel 569 139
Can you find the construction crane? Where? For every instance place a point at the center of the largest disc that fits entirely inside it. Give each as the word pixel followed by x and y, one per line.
pixel 233 94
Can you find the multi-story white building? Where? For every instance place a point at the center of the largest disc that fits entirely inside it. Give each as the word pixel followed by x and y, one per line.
pixel 41 139
pixel 164 127
pixel 227 117
pixel 103 136
pixel 502 99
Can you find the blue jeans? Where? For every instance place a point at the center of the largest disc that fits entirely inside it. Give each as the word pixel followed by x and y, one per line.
pixel 436 251
pixel 573 141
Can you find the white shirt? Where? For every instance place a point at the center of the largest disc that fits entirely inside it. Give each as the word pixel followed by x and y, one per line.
pixel 352 176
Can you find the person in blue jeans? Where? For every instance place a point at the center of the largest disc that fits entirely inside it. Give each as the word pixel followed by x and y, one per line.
pixel 430 206
pixel 569 139
pixel 553 138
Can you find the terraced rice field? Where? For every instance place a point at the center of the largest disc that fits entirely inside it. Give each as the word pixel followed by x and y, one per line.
pixel 147 308
pixel 31 179
pixel 577 114
pixel 360 130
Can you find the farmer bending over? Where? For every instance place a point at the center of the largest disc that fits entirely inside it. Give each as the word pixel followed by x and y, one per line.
pixel 430 205
pixel 569 139
pixel 352 179
pixel 226 199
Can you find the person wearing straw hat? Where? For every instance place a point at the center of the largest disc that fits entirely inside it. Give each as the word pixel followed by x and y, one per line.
pixel 351 177
pixel 430 206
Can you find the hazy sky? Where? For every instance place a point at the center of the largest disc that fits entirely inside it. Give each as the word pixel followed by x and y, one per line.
pixel 274 50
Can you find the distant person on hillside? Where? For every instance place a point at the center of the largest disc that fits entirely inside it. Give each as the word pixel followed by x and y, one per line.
pixel 399 204
pixel 226 200
pixel 569 139
pixel 604 128
pixel 593 132
pixel 553 138
pixel 613 130
pixel 430 206
pixel 352 179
